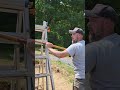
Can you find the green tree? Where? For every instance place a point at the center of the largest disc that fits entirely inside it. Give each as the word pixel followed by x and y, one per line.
pixel 61 15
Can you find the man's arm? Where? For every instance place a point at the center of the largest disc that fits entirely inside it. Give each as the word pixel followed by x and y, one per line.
pixel 59 54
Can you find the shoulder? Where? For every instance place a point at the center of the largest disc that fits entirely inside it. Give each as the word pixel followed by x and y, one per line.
pixel 92 47
pixel 93 44
pixel 78 44
pixel 75 45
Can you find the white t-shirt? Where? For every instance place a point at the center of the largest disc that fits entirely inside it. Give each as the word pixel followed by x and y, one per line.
pixel 77 51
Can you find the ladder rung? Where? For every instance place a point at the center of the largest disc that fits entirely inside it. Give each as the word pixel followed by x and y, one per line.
pixel 12 4
pixel 37 66
pixel 17 35
pixel 14 73
pixel 39 28
pixel 7 41
pixel 40 57
pixel 39 41
pixel 41 75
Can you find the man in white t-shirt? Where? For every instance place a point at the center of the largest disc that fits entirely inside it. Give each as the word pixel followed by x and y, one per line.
pixel 77 51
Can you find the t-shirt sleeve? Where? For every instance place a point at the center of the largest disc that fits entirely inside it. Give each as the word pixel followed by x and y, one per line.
pixel 71 50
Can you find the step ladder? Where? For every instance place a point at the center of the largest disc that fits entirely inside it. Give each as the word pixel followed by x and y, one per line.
pixel 16 73
pixel 43 75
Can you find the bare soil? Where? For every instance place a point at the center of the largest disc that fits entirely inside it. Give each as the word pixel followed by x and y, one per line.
pixel 59 80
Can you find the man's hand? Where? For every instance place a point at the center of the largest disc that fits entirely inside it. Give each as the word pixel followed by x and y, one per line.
pixel 59 54
pixel 49 45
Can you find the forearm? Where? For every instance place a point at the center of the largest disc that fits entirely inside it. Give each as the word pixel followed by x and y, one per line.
pixel 59 54
pixel 55 52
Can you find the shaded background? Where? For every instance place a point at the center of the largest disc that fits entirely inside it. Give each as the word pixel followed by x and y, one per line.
pixel 89 4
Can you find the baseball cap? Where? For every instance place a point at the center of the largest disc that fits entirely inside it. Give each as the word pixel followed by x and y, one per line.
pixel 101 10
pixel 76 30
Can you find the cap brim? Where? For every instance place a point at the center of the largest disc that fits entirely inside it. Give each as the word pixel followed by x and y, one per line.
pixel 71 31
pixel 89 13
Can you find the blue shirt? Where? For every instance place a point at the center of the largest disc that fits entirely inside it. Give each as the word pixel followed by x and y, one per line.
pixel 77 52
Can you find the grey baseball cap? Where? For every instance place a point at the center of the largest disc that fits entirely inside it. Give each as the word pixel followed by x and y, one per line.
pixel 76 30
pixel 101 10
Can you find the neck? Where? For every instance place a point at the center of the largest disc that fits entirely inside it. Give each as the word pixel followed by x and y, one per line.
pixel 108 32
pixel 77 41
pixel 80 39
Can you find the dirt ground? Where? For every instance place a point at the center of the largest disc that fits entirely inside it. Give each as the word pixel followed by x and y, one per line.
pixel 61 83
pixel 59 80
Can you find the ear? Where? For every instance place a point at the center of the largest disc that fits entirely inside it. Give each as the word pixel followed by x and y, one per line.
pixel 79 35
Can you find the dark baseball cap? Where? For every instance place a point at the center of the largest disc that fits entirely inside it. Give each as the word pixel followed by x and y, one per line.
pixel 76 30
pixel 101 10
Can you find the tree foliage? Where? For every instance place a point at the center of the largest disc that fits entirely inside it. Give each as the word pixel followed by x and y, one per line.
pixel 61 15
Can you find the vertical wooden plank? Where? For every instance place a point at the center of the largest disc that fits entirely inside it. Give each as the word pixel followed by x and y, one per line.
pixel 26 31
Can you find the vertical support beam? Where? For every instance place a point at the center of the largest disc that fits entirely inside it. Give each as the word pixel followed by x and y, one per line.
pixel 20 7
pixel 48 59
pixel 16 47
